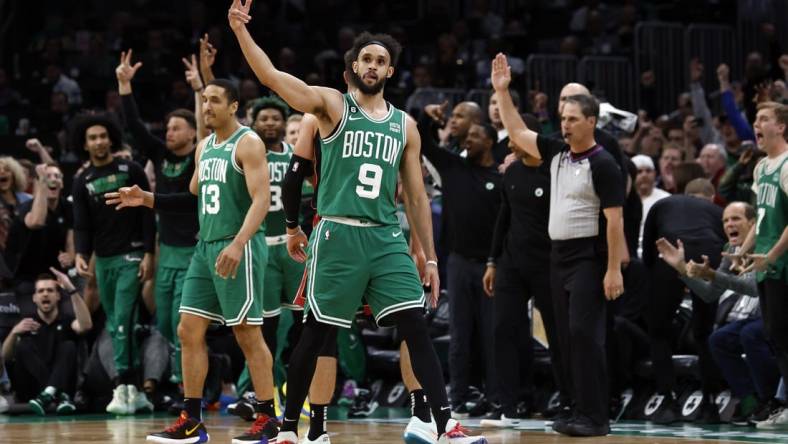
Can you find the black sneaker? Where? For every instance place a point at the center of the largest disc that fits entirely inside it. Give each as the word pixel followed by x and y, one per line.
pixel 564 415
pixel 264 430
pixel 41 403
pixel 460 411
pixel 64 405
pixel 709 412
pixel 668 412
pixel 363 404
pixel 244 407
pixel 582 425
pixel 744 409
pixel 184 430
pixel 763 411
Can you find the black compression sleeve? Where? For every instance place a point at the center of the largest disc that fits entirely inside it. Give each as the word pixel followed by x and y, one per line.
pixel 298 170
pixel 175 202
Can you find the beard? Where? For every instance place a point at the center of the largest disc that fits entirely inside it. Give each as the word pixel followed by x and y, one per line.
pixel 370 90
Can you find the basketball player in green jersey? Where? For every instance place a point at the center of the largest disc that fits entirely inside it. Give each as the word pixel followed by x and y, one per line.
pixel 769 236
pixel 224 281
pixel 358 248
pixel 282 274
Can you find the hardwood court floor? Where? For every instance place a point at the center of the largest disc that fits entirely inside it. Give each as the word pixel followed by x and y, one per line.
pixel 110 430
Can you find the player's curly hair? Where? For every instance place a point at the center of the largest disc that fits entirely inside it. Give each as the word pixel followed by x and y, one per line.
pixel 387 41
pixel 272 101
pixel 85 121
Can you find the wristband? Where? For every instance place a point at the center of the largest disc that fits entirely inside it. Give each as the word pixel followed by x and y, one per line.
pixel 72 292
pixel 435 263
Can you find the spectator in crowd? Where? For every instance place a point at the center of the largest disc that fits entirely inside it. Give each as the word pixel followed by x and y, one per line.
pixel 671 156
pixel 61 83
pixel 736 183
pixel 713 161
pixel 13 182
pixel 43 346
pixel 123 243
pixel 695 220
pixel 42 236
pixel 645 182
pixel 738 344
pixel 769 237
pixel 455 130
pixel 501 149
pixel 471 198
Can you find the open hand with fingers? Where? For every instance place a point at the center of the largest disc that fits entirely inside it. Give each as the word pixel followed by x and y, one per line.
pixel 501 73
pixel 207 52
pixel 238 16
pixel 192 72
pixel 125 71
pixel 133 196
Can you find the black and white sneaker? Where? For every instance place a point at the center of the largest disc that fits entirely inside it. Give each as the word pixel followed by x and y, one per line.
pixel 363 404
pixel 185 430
pixel 264 431
pixel 244 407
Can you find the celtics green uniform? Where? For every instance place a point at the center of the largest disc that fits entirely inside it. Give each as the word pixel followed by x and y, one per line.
pixel 772 217
pixel 283 274
pixel 223 201
pixel 358 248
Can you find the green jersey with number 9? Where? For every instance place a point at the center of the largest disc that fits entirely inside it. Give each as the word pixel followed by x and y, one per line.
pixel 277 167
pixel 359 165
pixel 223 198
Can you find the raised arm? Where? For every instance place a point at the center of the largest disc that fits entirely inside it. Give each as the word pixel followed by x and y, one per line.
pixel 417 206
pixel 325 103
pixel 36 218
pixel 207 58
pixel 523 138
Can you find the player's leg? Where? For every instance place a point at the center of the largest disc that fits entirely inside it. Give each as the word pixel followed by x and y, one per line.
pixel 321 390
pixel 127 304
pixel 337 279
pixel 396 297
pixel 510 318
pixel 199 306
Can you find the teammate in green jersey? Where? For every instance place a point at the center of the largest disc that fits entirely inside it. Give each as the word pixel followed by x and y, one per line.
pixel 769 236
pixel 224 282
pixel 358 248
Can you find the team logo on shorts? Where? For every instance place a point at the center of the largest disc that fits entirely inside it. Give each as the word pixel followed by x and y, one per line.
pixel 489 186
pixel 539 192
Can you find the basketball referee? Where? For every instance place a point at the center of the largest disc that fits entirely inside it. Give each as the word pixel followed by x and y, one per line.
pixel 587 235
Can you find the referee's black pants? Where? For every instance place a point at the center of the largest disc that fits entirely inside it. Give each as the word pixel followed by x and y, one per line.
pixel 515 284
pixel 667 292
pixel 470 321
pixel 774 309
pixel 580 309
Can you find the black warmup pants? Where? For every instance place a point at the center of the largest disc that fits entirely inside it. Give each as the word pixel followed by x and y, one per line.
pixel 33 371
pixel 515 284
pixel 580 310
pixel 470 318
pixel 667 291
pixel 774 309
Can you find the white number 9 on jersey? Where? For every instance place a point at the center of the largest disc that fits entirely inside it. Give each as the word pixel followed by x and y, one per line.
pixel 370 176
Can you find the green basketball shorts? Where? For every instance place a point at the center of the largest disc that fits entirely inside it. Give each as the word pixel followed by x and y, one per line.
pixel 230 301
pixel 349 259
pixel 282 278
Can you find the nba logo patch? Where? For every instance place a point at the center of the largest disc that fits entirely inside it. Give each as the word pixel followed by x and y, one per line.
pixel 395 127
